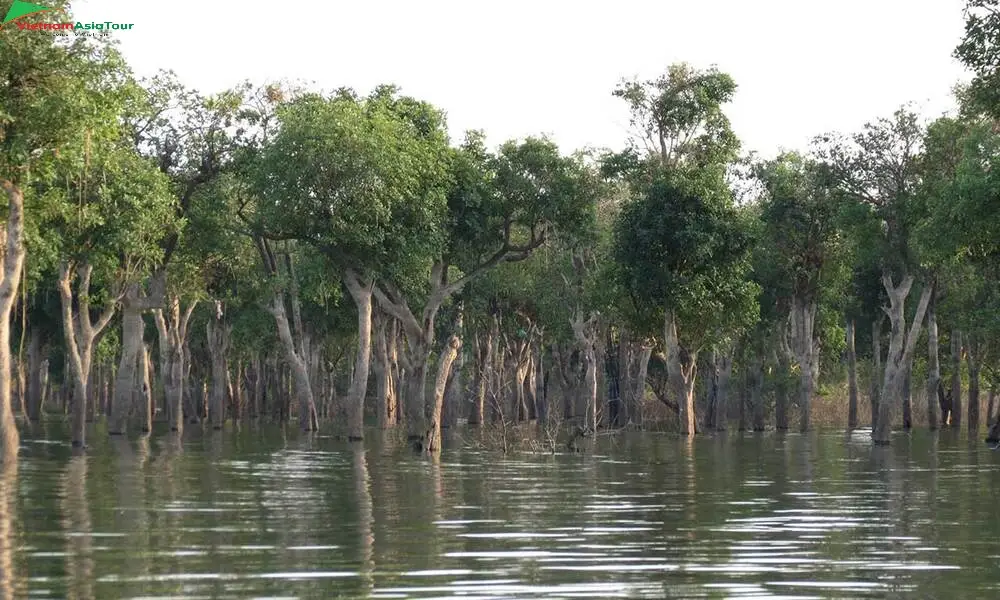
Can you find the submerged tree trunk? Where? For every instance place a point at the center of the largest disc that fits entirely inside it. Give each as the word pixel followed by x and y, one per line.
pixel 483 369
pixel 907 399
pixel 956 379
pixel 852 379
pixel 876 391
pixel 933 362
pixel 972 358
pixel 725 373
pixel 81 335
pixel 756 384
pixel 901 347
pixel 127 378
pixel 12 261
pixel 361 292
pixel 803 317
pixel 386 397
pixel 37 371
pixel 682 367
pixel 297 364
pixel 448 355
pixel 172 325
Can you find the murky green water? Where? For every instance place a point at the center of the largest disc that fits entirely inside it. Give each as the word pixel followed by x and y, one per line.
pixel 254 515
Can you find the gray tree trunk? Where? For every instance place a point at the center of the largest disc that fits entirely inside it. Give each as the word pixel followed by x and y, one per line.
pixel 901 347
pixel 361 292
pixel 852 379
pixel 172 326
pixel 682 366
pixel 81 335
pixel 452 347
pixel 297 363
pixel 37 370
pixel 12 262
pixel 956 379
pixel 218 345
pixel 933 364
pixel 876 390
pixel 972 358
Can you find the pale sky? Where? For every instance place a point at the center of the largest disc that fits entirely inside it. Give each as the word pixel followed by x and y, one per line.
pixel 517 68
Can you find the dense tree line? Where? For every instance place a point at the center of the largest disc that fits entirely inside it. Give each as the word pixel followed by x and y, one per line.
pixel 291 255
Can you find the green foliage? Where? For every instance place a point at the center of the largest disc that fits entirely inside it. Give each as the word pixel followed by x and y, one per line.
pixel 683 253
pixel 362 180
pixel 980 52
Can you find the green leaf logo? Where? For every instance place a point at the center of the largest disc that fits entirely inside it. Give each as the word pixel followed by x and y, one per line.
pixel 21 9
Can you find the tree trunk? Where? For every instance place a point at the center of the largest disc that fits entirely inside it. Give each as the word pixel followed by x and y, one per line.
pixel 876 367
pixel 12 260
pixel 361 292
pixel 852 379
pixel 803 317
pixel 907 399
pixel 781 392
pixel 125 380
pixel 172 325
pixel 756 385
pixel 722 393
pixel 80 334
pixel 989 407
pixel 37 368
pixel 383 372
pixel 972 358
pixel 933 363
pixel 145 392
pixel 218 345
pixel 682 367
pixel 956 379
pixel 296 362
pixel 901 347
pixel 452 347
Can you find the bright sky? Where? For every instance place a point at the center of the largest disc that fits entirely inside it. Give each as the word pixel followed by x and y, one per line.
pixel 518 67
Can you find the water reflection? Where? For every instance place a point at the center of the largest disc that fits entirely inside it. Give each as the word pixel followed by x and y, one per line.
pixel 78 529
pixel 8 537
pixel 253 514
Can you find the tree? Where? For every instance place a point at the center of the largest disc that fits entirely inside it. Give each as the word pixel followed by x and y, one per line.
pixel 801 236
pixel 878 169
pixel 687 257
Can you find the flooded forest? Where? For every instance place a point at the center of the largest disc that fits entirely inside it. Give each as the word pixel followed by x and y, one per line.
pixel 284 341
pixel 339 261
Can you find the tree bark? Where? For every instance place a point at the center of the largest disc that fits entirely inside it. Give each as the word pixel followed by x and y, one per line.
pixel 956 379
pixel 907 398
pixel 852 379
pixel 384 392
pixel 803 317
pixel 296 361
pixel 218 345
pixel 12 260
pixel 973 360
pixel 933 363
pixel 361 292
pixel 448 356
pixel 132 344
pixel 682 367
pixel 756 396
pixel 37 369
pixel 901 347
pixel 81 335
pixel 172 325
pixel 145 391
pixel 725 374
pixel 876 368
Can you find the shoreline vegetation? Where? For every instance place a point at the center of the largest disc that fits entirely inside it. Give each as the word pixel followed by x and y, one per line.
pixel 341 260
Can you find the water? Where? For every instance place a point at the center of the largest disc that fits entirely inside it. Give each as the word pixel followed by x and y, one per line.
pixel 253 514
